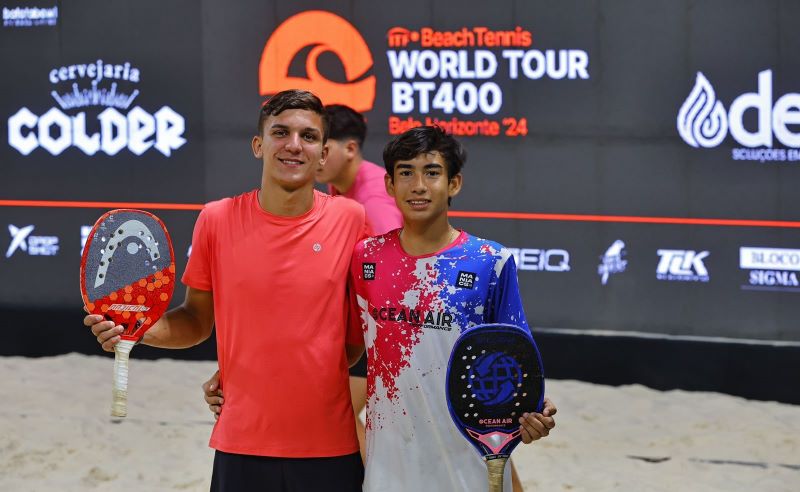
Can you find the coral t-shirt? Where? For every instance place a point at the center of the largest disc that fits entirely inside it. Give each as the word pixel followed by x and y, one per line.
pixel 279 306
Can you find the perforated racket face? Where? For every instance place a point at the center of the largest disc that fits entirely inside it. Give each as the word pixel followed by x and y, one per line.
pixel 494 376
pixel 128 270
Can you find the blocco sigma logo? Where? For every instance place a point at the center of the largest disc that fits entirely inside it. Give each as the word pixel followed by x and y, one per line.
pixel 773 269
pixel 321 32
pixel 703 122
pixel 106 91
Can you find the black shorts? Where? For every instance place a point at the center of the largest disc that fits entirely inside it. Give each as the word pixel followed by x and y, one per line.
pixel 360 369
pixel 245 473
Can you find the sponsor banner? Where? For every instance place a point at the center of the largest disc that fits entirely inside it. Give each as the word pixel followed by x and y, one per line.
pixel 456 79
pixel 682 265
pixel 97 111
pixel 327 33
pixel 751 258
pixel 773 269
pixel 541 260
pixel 595 142
pixel 24 242
pixel 703 121
pixel 612 261
pixel 30 16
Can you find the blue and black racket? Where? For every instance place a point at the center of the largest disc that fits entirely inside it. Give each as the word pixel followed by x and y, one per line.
pixel 493 377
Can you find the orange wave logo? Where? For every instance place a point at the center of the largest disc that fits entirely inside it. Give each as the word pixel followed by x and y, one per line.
pixel 323 32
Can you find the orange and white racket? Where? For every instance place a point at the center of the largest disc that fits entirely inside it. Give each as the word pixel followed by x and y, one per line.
pixel 127 276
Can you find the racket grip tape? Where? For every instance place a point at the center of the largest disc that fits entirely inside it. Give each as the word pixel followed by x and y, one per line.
pixel 495 468
pixel 119 404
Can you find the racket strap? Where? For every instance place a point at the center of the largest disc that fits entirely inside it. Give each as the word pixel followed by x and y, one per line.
pixel 495 468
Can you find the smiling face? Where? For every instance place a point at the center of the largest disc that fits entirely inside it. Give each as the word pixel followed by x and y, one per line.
pixel 291 148
pixel 421 188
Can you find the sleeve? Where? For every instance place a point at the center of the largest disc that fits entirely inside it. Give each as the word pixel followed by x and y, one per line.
pixel 368 228
pixel 355 334
pixel 198 269
pixel 505 303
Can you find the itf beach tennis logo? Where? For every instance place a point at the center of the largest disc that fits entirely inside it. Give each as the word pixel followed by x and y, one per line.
pixel 703 122
pixel 682 265
pixel 463 74
pixel 612 261
pixel 773 269
pixel 107 92
pixel 22 240
pixel 495 377
pixel 315 33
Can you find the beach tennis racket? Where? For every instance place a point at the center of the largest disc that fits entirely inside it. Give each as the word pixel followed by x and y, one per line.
pixel 127 276
pixel 493 377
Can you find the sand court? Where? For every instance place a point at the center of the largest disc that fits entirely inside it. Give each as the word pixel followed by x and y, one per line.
pixel 56 434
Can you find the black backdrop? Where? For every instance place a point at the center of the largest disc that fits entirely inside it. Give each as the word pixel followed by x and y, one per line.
pixel 630 125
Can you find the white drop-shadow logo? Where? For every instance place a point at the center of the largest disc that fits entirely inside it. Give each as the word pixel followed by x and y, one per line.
pixel 702 120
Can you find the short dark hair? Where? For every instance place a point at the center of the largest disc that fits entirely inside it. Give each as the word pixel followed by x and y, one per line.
pixel 346 123
pixel 424 140
pixel 293 99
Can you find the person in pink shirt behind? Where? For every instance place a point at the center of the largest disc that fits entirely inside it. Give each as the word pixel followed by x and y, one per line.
pixel 347 173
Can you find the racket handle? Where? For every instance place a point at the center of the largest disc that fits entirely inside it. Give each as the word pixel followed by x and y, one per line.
pixel 119 404
pixel 495 467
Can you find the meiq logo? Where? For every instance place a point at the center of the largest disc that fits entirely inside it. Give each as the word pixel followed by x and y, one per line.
pixel 324 32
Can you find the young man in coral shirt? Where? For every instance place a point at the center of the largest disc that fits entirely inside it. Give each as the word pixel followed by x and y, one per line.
pixel 269 269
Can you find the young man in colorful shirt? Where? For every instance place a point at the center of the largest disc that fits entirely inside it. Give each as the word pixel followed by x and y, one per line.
pixel 409 296
pixel 268 269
